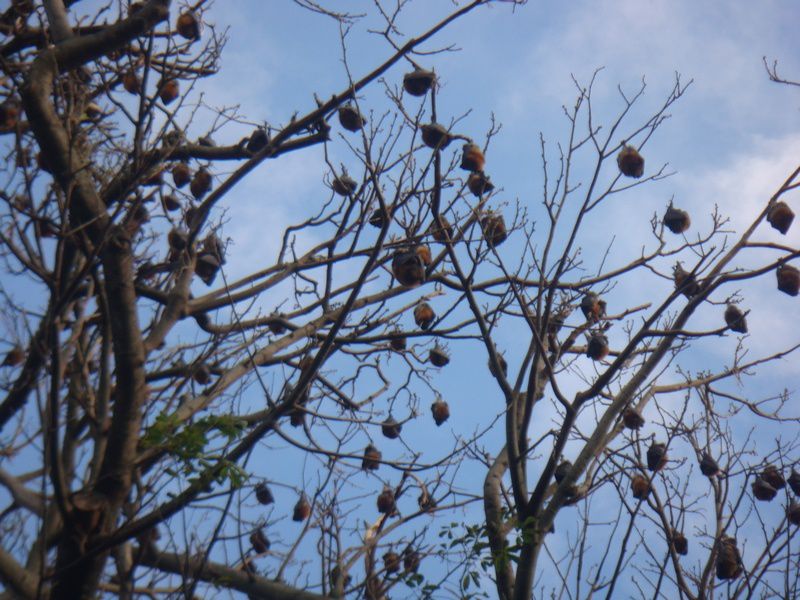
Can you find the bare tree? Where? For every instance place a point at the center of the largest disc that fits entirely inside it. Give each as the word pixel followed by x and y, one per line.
pixel 168 428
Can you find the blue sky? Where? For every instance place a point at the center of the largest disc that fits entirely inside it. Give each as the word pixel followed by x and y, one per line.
pixel 731 140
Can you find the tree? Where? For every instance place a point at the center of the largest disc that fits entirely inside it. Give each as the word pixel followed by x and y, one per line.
pixel 163 420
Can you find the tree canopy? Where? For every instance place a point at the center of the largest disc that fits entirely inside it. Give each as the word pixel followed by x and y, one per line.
pixel 433 384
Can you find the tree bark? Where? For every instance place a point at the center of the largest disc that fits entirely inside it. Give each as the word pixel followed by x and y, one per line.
pixel 253 585
pixel 495 531
pixel 77 575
